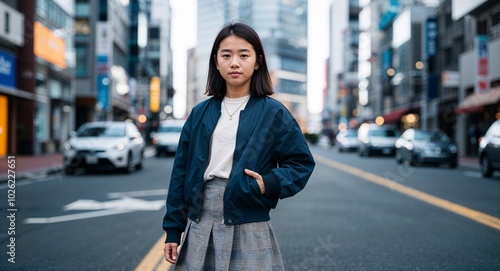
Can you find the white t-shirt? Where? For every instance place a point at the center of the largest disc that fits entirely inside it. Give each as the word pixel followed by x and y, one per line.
pixel 223 140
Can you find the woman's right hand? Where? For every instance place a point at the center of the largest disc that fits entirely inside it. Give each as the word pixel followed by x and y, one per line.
pixel 170 251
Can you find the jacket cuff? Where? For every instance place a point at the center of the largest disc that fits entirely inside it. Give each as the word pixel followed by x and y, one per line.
pixel 173 236
pixel 272 185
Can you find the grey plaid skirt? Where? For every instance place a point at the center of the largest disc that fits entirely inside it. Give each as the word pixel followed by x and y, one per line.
pixel 211 245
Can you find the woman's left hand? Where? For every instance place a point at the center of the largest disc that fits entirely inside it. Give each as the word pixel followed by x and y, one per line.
pixel 258 178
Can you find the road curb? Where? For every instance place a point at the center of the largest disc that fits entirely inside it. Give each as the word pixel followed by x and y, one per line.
pixel 36 174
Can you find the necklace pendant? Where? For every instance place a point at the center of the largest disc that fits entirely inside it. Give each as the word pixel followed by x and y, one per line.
pixel 231 118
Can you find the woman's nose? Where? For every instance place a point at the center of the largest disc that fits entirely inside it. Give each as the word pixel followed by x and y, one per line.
pixel 234 62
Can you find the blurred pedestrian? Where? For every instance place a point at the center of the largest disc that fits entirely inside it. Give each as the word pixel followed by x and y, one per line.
pixel 239 153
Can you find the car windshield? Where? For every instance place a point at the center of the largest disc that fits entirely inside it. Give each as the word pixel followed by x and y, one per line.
pixel 382 133
pixel 103 131
pixel 170 129
pixel 350 133
pixel 431 136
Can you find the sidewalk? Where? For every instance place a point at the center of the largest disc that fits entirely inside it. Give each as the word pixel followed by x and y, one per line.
pixel 27 166
pixel 33 166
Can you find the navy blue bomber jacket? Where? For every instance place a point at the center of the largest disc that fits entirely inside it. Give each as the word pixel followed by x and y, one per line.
pixel 268 141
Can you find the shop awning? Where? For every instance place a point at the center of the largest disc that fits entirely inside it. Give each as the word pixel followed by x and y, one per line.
pixel 395 115
pixel 477 101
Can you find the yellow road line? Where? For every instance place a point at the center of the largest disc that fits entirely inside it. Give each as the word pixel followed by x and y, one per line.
pixel 447 205
pixel 154 260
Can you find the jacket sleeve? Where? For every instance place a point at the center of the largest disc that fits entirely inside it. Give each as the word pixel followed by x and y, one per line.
pixel 295 161
pixel 175 219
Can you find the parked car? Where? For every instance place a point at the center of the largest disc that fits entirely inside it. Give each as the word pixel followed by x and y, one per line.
pixel 417 146
pixel 377 139
pixel 116 145
pixel 167 137
pixel 347 140
pixel 489 150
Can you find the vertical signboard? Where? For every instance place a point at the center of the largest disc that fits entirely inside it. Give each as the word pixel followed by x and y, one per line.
pixel 7 70
pixel 431 31
pixel 3 125
pixel 482 74
pixel 154 95
pixel 103 50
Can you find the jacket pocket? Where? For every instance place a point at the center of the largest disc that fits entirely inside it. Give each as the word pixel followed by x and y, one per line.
pixel 248 195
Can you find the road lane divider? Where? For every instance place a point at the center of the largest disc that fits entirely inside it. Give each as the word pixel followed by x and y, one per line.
pixel 477 216
pixel 155 259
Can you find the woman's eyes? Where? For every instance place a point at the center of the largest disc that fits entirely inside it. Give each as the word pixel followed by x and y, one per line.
pixel 228 56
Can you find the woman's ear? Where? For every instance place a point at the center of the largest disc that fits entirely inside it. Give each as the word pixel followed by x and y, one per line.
pixel 257 65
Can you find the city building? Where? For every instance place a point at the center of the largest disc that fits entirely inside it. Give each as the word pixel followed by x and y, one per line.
pixel 36 60
pixel 343 95
pixel 101 76
pixel 150 63
pixel 282 26
pixel 17 98
pixel 478 70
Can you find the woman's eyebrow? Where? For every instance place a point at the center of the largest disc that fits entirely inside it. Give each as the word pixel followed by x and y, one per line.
pixel 240 50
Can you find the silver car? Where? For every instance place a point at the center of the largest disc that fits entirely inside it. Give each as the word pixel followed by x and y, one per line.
pixel 167 137
pixel 377 139
pixel 104 145
pixel 347 140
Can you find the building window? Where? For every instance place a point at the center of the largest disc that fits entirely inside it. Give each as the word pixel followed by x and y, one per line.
pixel 82 27
pixel 482 27
pixel 495 18
pixel 7 22
pixel 448 57
pixel 449 20
pixel 82 9
pixel 81 69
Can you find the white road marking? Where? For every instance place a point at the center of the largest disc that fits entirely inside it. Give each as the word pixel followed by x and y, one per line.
pixel 72 217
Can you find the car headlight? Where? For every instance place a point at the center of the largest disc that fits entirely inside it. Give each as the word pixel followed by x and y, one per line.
pixel 120 146
pixel 453 149
pixel 67 147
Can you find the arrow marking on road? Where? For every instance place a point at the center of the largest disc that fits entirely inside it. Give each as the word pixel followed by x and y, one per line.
pixel 64 218
pixel 122 205
pixel 129 204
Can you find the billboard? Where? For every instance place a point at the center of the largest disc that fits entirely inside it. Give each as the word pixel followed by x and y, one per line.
pixel 154 95
pixel 481 69
pixel 7 70
pixel 103 52
pixel 48 46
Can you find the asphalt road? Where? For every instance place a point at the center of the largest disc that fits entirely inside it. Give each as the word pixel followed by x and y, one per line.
pixel 354 214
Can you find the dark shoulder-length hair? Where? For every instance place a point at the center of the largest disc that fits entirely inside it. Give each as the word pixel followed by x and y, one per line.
pixel 261 84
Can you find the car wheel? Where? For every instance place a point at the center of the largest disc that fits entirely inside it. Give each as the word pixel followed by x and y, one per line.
pixel 486 169
pixel 412 161
pixel 69 171
pixel 399 158
pixel 129 168
pixel 140 165
pixel 453 164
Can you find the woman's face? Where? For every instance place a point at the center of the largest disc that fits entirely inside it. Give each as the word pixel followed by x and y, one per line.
pixel 236 61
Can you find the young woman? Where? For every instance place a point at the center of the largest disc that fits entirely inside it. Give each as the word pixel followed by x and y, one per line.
pixel 239 153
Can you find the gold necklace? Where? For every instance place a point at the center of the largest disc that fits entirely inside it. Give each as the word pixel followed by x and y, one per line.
pixel 231 115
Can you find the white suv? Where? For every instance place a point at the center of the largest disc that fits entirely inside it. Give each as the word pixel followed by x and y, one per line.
pixel 489 150
pixel 105 145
